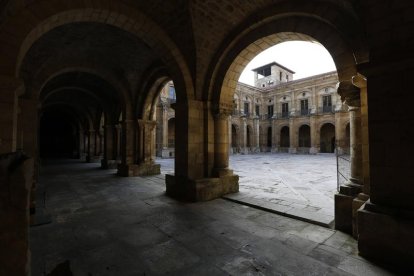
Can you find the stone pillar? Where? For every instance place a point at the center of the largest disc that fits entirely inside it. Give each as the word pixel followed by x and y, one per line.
pixel 8 111
pixel 230 135
pixel 256 131
pixel 109 152
pixel 146 149
pixel 28 128
pixel 16 178
pixel 118 142
pixel 90 149
pixel 345 218
pixel 221 141
pixel 82 149
pixel 293 136
pixel 126 167
pixel 275 137
pixel 243 137
pixel 165 151
pixel 197 128
pixel 315 135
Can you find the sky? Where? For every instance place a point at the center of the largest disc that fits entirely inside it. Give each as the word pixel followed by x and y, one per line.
pixel 304 58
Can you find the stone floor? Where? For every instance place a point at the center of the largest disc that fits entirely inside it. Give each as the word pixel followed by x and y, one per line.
pixel 298 186
pixel 108 225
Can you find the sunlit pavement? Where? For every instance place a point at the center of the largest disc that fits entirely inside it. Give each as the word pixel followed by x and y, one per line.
pixel 295 185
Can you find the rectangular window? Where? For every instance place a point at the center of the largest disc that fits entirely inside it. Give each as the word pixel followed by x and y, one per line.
pixel 304 109
pixel 280 76
pixel 327 103
pixel 270 111
pixel 285 110
pixel 246 108
pixel 257 110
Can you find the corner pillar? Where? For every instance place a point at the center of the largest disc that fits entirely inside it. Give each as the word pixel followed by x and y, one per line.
pixel 345 215
pixel 109 152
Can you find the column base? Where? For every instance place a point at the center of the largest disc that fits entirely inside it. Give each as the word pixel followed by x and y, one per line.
pixel 138 169
pixel 386 235
pixel 343 207
pixel 109 164
pixel 356 204
pixel 222 172
pixel 313 150
pixel 204 189
pixel 292 150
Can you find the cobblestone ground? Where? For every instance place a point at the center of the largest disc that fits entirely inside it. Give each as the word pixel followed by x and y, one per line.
pixel 301 186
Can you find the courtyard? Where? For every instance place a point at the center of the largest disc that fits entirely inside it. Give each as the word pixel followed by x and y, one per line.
pixel 294 185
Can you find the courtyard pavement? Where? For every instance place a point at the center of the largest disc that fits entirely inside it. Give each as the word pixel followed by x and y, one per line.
pixel 102 224
pixel 295 185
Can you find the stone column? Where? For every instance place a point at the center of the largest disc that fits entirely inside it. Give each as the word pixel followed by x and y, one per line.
pixel 230 135
pixel 28 128
pixel 221 141
pixel 361 82
pixel 243 136
pixel 8 109
pixel 315 135
pixel 344 216
pixel 165 150
pixel 118 142
pixel 256 134
pixel 90 149
pixel 82 149
pixel 146 149
pixel 126 168
pixel 201 154
pixel 109 153
pixel 275 136
pixel 293 136
pixel 16 177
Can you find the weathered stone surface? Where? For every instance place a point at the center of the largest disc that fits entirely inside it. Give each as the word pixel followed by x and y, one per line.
pixel 16 176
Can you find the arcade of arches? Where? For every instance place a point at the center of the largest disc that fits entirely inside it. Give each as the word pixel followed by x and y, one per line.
pixel 97 68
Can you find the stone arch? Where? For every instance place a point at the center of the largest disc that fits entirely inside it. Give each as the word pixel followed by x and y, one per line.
pixel 122 16
pixel 119 85
pixel 345 42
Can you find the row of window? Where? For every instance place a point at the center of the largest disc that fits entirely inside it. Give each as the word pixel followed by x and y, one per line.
pixel 304 107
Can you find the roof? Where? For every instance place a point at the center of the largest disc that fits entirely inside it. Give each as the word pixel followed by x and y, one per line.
pixel 273 63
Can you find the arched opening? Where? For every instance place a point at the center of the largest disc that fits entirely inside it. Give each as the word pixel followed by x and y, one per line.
pixel 304 139
pixel 269 138
pixel 327 134
pixel 284 139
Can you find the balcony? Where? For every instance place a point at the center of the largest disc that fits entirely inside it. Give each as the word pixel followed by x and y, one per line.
pixel 327 109
pixel 304 112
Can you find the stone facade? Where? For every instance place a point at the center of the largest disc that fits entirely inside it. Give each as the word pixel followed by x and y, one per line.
pixel 276 115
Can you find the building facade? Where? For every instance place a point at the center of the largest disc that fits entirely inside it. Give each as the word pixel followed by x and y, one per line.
pixel 278 114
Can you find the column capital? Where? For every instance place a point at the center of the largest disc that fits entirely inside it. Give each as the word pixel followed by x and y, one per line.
pixel 359 81
pixel 350 94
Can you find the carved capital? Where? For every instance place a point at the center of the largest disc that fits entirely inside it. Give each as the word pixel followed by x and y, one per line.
pixel 350 94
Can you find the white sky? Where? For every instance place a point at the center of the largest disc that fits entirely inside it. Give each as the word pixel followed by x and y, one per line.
pixel 304 58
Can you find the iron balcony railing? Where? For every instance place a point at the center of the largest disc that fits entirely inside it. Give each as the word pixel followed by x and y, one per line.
pixel 327 109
